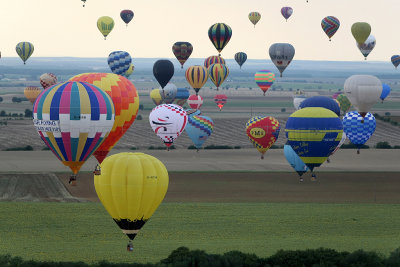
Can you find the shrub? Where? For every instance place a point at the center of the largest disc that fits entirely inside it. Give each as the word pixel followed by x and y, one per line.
pixel 45 148
pixel 133 148
pixel 218 147
pixel 283 109
pixel 387 114
pixel 191 147
pixel 383 145
pixel 350 146
pixel 394 123
pixel 139 117
pixel 25 148
pixel 160 147
pixel 236 147
pixel 28 113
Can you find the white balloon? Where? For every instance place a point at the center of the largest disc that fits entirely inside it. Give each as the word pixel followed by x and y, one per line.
pixel 169 92
pixel 363 91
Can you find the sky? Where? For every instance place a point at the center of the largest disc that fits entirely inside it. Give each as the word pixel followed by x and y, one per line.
pixel 63 28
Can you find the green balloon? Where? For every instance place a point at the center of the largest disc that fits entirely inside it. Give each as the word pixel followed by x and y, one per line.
pixel 361 31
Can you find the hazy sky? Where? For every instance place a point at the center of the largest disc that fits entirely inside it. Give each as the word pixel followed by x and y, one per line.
pixel 65 28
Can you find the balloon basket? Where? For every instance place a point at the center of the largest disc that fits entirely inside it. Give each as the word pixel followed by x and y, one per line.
pixel 72 180
pixel 328 160
pixel 301 179
pixel 313 177
pixel 358 151
pixel 97 170
pixel 129 247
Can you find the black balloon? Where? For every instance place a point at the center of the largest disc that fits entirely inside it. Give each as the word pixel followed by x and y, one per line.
pixel 163 70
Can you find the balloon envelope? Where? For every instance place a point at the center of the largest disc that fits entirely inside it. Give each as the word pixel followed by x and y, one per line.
pixel 32 92
pixel 199 128
pixel 47 80
pixel 330 25
pixel 357 128
pixel 281 55
pixel 367 46
pixel 294 160
pixel 163 70
pixel 196 76
pixel 181 96
pixel 219 35
pixel 182 51
pixel 195 101
pixel 361 31
pixel 286 12
pixel 240 58
pixel 385 91
pixel 168 93
pixel 262 132
pixel 126 15
pixel 322 102
pixel 213 60
pixel 264 79
pixel 119 62
pixel 24 50
pixel 395 60
pixel 156 96
pixel 254 17
pixel 105 25
pixel 218 73
pixel 220 100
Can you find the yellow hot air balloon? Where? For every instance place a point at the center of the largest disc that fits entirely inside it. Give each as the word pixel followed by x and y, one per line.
pixel 32 92
pixel 196 76
pixel 131 186
pixel 361 31
pixel 156 96
pixel 254 17
pixel 129 71
pixel 105 25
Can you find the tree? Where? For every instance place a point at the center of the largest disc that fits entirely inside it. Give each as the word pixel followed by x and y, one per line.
pixel 16 99
pixel 3 113
pixel 28 113
pixel 1 99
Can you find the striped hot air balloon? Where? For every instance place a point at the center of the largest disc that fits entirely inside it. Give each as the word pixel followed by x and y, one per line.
pixel 24 50
pixel 220 100
pixel 264 79
pixel 240 58
pixel 182 51
pixel 73 119
pixel 254 17
pixel 262 132
pixel 395 60
pixel 219 35
pixel 330 25
pixel 105 25
pixel 213 60
pixel 32 92
pixel 196 76
pixel 218 74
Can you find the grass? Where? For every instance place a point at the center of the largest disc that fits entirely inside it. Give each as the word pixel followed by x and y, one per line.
pixel 85 232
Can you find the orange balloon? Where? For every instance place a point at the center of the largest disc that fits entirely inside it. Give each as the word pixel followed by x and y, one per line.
pixel 32 92
pixel 126 102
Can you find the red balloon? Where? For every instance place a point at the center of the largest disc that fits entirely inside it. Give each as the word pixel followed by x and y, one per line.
pixel 220 100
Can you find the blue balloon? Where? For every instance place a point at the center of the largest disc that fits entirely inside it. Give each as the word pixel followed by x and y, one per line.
pixel 193 112
pixel 119 62
pixel 322 102
pixel 181 96
pixel 385 91
pixel 357 131
pixel 294 160
pixel 199 128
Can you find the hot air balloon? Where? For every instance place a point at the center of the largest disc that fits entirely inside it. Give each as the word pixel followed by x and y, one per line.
pixel 131 186
pixel 295 161
pixel 213 60
pixel 126 103
pixel 129 71
pixel 126 16
pixel 395 60
pixel 168 93
pixel 385 91
pixel 240 58
pixel 199 128
pixel 264 79
pixel 335 95
pixel 84 2
pixel 262 132
pixel 330 25
pixel 363 91
pixel 195 101
pixel 298 97
pixel 286 12
pixel 281 55
pixel 361 31
pixel 218 73
pixel 193 112
pixel 105 25
pixel 181 96
pixel 322 102
pixel 220 100
pixel 168 122
pixel 119 62
pixel 219 35
pixel 367 47
pixel 254 17
pixel 47 80
pixel 344 137
pixel 358 129
pixel 313 133
pixel 344 103
pixel 163 70
pixel 196 76
pixel 32 92
pixel 24 50
pixel 182 51
pixel 156 96
pixel 73 119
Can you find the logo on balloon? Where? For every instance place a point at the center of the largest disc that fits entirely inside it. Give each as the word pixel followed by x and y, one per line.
pixel 257 133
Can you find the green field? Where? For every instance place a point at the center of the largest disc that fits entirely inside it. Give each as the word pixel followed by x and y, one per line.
pixel 85 232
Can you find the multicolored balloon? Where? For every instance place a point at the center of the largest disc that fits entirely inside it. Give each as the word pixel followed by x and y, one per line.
pixel 182 51
pixel 361 31
pixel 385 91
pixel 213 60
pixel 294 161
pixel 24 50
pixel 264 79
pixel 219 35
pixel 126 104
pixel 126 16
pixel 193 112
pixel 47 80
pixel 181 96
pixel 262 132
pixel 281 55
pixel 163 70
pixel 240 58
pixel 363 91
pixel 105 25
pixel 313 133
pixel 254 17
pixel 359 129
pixel 73 119
pixel 168 122
pixel 195 101
pixel 196 76
pixel 344 103
pixel 218 73
pixel 367 47
pixel 119 62
pixel 199 128
pixel 168 93
pixel 31 93
pixel 322 102
pixel 330 25
pixel 156 96
pixel 220 100
pixel 286 12
pixel 395 60
pixel 131 197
